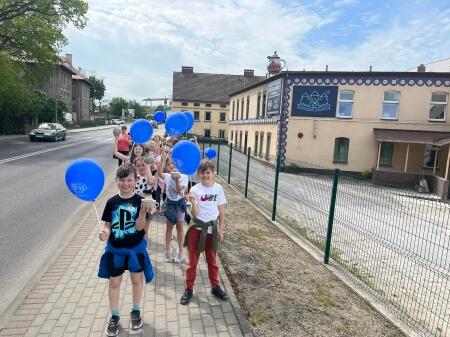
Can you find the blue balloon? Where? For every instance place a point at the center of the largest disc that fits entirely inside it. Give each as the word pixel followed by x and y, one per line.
pixel 190 119
pixel 159 116
pixel 210 153
pixel 186 157
pixel 85 179
pixel 141 131
pixel 176 124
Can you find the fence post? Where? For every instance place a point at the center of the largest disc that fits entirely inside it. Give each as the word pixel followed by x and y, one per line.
pixel 326 258
pixel 275 192
pixel 218 157
pixel 229 163
pixel 247 173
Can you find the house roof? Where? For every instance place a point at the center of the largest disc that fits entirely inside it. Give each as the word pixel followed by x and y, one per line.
pixel 412 136
pixel 207 87
pixel 79 77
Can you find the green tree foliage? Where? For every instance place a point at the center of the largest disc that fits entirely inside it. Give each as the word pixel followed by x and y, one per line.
pixel 116 105
pixel 97 91
pixel 139 109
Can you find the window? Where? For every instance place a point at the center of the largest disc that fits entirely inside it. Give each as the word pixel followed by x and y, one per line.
pixel 261 141
pixel 345 104
pixel 222 117
pixel 232 134
pixel 223 105
pixel 341 150
pixel 245 141
pixel 221 133
pixel 207 116
pixel 386 153
pixel 248 107
pixel 207 133
pixel 257 104
pixel 237 109
pixel 438 107
pixel 197 115
pixel 235 139
pixel 431 153
pixel 184 103
pixel 256 143
pixel 269 137
pixel 232 111
pixel 390 105
pixel 208 105
pixel 196 104
pixel 240 141
pixel 242 108
pixel 263 110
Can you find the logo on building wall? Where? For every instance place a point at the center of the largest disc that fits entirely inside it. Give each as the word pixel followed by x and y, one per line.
pixel 314 101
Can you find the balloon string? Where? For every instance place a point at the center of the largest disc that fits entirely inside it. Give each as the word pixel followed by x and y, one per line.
pixel 98 218
pixel 132 146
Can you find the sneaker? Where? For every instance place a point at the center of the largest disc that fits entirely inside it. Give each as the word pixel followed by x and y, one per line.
pixel 180 257
pixel 219 293
pixel 186 298
pixel 113 326
pixel 168 256
pixel 135 320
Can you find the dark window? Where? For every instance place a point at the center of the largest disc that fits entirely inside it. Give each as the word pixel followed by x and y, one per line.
pixel 232 111
pixel 221 133
pixel 237 109
pixel 263 110
pixel 341 150
pixel 242 108
pixel 386 153
pixel 256 143
pixel 208 105
pixel 430 156
pixel 207 116
pixel 184 103
pixel 248 107
pixel 223 105
pixel 196 104
pixel 258 102
pixel 197 115
pixel 222 116
pixel 207 133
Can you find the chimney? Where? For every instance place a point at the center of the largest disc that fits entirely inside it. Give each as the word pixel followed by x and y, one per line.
pixel 69 58
pixel 187 70
pixel 370 68
pixel 326 67
pixel 421 68
pixel 249 73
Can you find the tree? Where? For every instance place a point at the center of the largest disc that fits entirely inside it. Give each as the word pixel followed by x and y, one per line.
pixel 32 30
pixel 97 91
pixel 116 105
pixel 139 109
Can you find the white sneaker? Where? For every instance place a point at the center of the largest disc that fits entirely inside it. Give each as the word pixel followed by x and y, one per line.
pixel 180 257
pixel 168 256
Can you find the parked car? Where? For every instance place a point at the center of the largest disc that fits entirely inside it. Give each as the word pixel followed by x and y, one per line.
pixel 117 121
pixel 48 131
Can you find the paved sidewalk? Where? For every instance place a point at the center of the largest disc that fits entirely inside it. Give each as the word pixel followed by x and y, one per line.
pixel 70 300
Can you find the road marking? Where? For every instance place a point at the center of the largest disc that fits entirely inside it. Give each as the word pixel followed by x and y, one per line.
pixel 7 160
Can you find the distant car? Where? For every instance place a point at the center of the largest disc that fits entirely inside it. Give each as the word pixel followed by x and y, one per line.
pixel 117 121
pixel 48 131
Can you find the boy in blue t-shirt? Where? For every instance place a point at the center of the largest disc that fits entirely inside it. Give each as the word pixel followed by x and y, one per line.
pixel 126 248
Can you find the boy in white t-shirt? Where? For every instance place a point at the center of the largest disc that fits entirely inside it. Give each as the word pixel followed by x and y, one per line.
pixel 206 231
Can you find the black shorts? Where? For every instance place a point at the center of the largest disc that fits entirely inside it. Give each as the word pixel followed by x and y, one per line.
pixel 114 272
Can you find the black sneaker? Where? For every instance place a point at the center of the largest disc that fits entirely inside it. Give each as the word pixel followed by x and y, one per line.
pixel 186 298
pixel 135 320
pixel 113 326
pixel 219 293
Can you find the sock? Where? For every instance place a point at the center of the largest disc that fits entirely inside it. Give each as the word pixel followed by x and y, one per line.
pixel 115 312
pixel 136 307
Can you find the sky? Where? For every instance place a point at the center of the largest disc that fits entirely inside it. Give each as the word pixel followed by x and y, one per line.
pixel 136 45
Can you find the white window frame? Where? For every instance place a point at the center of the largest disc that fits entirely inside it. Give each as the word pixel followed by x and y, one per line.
pixel 345 101
pixel 438 103
pixel 391 102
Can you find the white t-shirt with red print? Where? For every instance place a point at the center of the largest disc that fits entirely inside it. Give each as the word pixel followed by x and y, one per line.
pixel 208 199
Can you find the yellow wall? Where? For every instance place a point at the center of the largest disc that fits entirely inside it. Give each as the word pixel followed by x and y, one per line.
pixel 199 126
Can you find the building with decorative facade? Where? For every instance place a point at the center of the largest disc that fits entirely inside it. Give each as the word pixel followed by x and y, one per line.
pixel 392 124
pixel 206 95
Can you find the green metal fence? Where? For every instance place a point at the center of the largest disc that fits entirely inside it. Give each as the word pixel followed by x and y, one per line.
pixel 392 243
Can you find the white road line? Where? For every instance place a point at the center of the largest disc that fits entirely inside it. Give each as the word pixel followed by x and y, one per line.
pixel 7 160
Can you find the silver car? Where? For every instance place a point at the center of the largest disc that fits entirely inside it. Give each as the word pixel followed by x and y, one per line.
pixel 48 131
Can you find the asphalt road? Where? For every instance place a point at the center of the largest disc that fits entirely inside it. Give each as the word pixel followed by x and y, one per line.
pixel 35 205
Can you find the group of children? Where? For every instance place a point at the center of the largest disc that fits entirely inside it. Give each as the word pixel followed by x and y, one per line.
pixel 148 171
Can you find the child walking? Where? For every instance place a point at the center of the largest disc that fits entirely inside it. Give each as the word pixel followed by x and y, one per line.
pixel 174 206
pixel 206 231
pixel 126 249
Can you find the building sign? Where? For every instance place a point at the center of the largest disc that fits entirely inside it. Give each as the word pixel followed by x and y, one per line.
pixel 274 90
pixel 314 101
